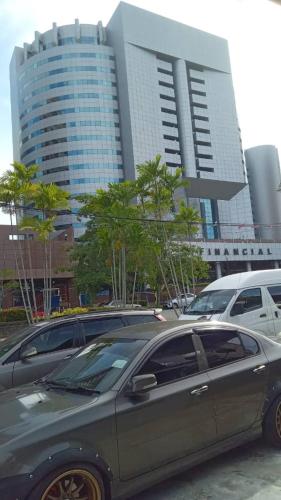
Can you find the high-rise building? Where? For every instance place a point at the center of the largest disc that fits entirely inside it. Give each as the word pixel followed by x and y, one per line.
pixel 263 169
pixel 65 110
pixel 90 103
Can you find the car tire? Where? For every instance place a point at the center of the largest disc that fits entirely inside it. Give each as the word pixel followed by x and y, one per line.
pixel 72 476
pixel 272 424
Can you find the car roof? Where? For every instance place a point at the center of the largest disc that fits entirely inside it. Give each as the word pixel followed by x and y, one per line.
pixel 148 331
pixel 97 314
pixel 247 279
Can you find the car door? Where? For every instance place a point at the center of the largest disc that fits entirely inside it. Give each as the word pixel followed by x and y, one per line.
pixel 41 354
pixel 274 292
pixel 173 419
pixel 238 371
pixel 251 309
pixel 94 327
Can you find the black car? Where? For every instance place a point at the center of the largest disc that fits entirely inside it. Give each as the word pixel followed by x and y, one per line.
pixel 136 406
pixel 37 350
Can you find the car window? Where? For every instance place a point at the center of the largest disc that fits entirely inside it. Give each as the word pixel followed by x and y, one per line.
pixel 140 318
pixel 99 365
pixel 174 360
pixel 250 345
pixel 54 339
pixel 97 326
pixel 248 300
pixel 275 292
pixel 222 347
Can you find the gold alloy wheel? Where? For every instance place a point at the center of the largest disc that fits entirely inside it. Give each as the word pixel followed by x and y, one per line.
pixel 74 484
pixel 278 420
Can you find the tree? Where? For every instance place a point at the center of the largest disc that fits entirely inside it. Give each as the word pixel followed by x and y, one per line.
pixel 46 200
pixel 18 191
pixel 138 243
pixel 15 189
pixel 7 284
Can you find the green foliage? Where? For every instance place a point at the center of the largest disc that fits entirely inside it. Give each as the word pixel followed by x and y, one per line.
pixel 13 314
pixel 17 189
pixel 137 243
pixel 70 311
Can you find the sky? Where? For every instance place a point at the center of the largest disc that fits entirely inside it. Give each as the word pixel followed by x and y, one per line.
pixel 252 28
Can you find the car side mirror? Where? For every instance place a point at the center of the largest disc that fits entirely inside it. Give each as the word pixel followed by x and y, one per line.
pixel 142 383
pixel 28 352
pixel 238 308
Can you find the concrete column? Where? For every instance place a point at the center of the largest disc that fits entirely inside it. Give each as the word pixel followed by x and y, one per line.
pixel 184 117
pixel 248 266
pixel 276 264
pixel 218 270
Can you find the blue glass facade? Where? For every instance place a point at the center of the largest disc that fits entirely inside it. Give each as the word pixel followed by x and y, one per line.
pixel 77 109
pixel 70 69
pixel 67 97
pixel 67 83
pixel 85 116
pixel 209 214
pixel 78 124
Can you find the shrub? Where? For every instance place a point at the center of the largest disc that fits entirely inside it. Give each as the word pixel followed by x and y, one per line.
pixel 13 314
pixel 67 312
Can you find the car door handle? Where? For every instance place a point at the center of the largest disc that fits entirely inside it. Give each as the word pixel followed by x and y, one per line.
pixel 259 369
pixel 263 315
pixel 68 356
pixel 276 314
pixel 199 390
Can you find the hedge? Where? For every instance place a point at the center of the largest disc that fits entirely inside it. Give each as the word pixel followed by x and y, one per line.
pixel 12 314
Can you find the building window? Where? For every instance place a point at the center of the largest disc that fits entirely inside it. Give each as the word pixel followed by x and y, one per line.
pixel 172 151
pixel 166 84
pixel 169 111
pixel 205 169
pixel 165 71
pixel 205 156
pixel 171 138
pixel 167 97
pixel 198 92
pixel 170 124
pixel 209 213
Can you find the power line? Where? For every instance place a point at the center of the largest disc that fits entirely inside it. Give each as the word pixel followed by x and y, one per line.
pixel 240 225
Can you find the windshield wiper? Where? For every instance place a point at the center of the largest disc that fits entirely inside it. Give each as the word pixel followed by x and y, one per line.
pixel 70 387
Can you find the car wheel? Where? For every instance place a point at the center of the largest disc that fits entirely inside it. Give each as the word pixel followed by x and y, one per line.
pixel 272 424
pixel 72 482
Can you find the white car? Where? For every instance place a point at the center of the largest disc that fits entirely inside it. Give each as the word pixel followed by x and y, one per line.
pixel 180 301
pixel 118 303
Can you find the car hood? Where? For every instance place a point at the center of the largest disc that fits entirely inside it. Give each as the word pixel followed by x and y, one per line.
pixel 24 411
pixel 205 317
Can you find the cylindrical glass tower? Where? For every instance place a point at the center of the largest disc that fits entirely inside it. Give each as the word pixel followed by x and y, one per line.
pixel 65 111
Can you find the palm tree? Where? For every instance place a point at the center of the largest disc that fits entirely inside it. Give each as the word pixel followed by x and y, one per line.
pixel 15 188
pixel 47 198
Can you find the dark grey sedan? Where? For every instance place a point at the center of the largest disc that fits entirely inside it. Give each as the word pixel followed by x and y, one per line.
pixel 37 350
pixel 137 406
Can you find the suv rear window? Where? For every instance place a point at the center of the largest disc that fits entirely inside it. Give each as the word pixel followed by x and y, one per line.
pixel 135 319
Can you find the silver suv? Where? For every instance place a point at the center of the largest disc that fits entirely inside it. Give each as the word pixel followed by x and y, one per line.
pixel 35 351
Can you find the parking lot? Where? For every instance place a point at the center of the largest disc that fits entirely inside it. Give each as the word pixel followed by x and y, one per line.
pixel 252 472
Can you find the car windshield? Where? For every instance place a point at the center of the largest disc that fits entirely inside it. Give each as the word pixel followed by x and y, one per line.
pixel 8 341
pixel 212 302
pixel 98 366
